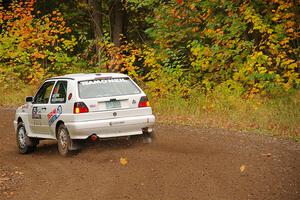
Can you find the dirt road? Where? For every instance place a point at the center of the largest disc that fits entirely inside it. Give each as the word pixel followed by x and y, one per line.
pixel 182 163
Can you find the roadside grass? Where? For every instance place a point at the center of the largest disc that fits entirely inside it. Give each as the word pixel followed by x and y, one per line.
pixel 15 95
pixel 276 116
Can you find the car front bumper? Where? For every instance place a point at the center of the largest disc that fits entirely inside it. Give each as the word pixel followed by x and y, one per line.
pixel 118 127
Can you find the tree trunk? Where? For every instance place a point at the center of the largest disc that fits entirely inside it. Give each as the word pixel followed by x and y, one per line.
pixel 96 16
pixel 117 18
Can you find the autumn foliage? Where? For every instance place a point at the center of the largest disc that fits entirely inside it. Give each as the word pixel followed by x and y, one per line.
pixel 249 46
pixel 33 46
pixel 215 63
pixel 252 45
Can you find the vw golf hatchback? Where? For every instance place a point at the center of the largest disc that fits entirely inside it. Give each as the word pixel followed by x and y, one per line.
pixel 76 107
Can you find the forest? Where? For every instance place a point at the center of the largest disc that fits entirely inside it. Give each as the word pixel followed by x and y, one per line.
pixel 230 64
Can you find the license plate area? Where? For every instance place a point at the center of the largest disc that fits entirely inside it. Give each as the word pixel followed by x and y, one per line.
pixel 113 104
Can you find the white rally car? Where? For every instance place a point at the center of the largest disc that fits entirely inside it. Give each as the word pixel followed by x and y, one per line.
pixel 75 107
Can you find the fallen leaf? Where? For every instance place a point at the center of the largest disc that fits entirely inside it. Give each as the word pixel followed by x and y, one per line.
pixel 123 161
pixel 242 168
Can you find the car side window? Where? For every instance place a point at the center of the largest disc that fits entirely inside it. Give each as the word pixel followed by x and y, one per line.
pixel 59 94
pixel 43 95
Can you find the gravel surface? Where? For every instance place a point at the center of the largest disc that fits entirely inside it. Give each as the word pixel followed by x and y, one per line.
pixel 181 163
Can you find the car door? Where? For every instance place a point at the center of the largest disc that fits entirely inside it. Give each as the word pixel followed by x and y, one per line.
pixel 40 108
pixel 57 103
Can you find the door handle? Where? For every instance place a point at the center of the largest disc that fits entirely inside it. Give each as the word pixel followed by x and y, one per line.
pixel 44 108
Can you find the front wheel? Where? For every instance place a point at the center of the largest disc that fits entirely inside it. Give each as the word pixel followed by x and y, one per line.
pixel 25 144
pixel 63 141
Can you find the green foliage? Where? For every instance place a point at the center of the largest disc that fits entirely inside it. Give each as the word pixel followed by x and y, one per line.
pixel 254 44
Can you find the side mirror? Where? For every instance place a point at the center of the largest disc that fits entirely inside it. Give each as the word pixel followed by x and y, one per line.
pixel 29 99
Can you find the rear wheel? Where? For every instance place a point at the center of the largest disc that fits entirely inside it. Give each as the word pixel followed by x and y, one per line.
pixel 63 141
pixel 25 144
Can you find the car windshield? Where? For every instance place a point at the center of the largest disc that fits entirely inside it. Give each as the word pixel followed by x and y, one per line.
pixel 106 87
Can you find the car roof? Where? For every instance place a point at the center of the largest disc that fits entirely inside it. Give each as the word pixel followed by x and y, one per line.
pixel 89 76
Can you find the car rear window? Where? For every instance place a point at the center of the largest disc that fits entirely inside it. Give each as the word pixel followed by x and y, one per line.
pixel 106 87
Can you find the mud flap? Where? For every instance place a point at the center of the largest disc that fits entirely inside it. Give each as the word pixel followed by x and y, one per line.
pixel 31 141
pixel 147 137
pixel 75 145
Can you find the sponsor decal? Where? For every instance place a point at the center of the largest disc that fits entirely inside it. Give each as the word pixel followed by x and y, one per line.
pixel 70 96
pixel 54 115
pixel 93 82
pixel 133 101
pixel 36 113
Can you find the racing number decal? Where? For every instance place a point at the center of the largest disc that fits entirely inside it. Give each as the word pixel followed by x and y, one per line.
pixel 36 113
pixel 54 115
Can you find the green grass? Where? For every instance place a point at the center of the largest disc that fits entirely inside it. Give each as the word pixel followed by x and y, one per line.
pixel 15 96
pixel 278 116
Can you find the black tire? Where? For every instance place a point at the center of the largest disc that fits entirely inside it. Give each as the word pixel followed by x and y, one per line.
pixel 25 144
pixel 63 141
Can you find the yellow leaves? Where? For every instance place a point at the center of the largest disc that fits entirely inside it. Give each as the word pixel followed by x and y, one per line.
pixel 209 31
pixel 195 29
pixel 287 62
pixel 57 48
pixel 278 78
pixel 270 31
pixel 284 41
pixel 249 69
pixel 289 24
pixel 68 30
pixel 209 12
pixel 242 168
pixel 123 161
pixel 290 30
pixel 192 7
pixel 275 19
pixel 288 15
pixel 293 66
pixel 32 41
pixel 262 70
pixel 37 55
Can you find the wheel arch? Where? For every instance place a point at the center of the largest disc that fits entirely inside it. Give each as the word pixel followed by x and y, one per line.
pixel 60 122
pixel 19 120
